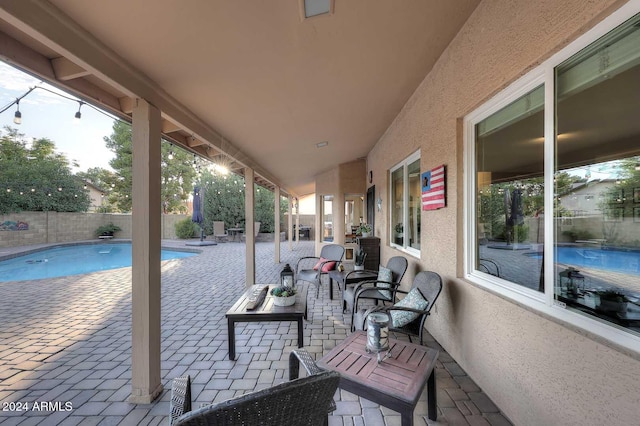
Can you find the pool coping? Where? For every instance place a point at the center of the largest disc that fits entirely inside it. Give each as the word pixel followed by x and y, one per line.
pixel 30 250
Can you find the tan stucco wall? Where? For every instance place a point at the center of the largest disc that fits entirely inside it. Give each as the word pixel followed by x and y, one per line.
pixel 537 371
pixel 346 178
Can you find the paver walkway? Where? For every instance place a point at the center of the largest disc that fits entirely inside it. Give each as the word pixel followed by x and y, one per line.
pixel 65 346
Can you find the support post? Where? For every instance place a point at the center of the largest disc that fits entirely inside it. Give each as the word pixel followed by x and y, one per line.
pixel 145 334
pixel 249 231
pixel 276 222
pixel 297 220
pixel 290 223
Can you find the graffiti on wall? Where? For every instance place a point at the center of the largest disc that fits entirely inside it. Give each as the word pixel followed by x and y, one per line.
pixel 14 226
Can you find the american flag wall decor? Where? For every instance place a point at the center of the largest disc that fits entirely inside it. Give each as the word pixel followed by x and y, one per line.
pixel 433 189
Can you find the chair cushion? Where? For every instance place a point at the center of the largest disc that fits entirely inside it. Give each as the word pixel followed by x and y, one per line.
pixel 329 266
pixel 385 274
pixel 413 300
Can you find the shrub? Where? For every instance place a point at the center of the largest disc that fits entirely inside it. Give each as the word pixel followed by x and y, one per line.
pixel 186 229
pixel 108 229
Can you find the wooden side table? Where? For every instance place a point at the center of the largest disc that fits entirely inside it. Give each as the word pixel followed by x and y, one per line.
pixel 395 383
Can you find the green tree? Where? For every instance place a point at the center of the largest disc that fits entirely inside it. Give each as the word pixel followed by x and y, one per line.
pixel 103 179
pixel 99 177
pixel 178 172
pixel 224 201
pixel 621 199
pixel 494 207
pixel 33 177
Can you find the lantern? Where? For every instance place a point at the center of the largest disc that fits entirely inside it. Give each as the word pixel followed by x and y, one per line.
pixel 378 332
pixel 286 276
pixel 572 280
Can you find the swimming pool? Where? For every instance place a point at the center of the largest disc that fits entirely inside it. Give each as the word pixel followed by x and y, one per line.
pixel 73 260
pixel 627 262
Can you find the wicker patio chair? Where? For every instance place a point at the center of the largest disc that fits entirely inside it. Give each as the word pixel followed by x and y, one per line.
pixel 304 401
pixel 330 257
pixel 375 289
pixel 429 284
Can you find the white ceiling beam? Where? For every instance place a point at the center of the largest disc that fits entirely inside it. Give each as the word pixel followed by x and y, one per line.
pixel 25 58
pixel 126 104
pixel 65 70
pixel 194 142
pixel 169 127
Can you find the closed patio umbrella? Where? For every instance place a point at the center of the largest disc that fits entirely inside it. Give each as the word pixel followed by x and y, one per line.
pixel 198 216
pixel 507 215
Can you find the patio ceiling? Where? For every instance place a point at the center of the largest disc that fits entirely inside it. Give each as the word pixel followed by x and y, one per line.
pixel 249 81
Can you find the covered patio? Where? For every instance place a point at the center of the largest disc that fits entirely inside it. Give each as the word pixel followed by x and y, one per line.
pixel 69 340
pixel 375 96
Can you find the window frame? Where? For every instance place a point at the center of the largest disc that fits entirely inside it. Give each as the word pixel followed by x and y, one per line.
pixel 405 247
pixel 543 303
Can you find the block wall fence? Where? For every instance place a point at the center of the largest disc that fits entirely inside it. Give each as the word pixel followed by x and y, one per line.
pixel 55 227
pixel 58 227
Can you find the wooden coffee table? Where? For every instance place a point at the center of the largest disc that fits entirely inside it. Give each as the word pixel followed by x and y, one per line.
pixel 266 312
pixel 396 382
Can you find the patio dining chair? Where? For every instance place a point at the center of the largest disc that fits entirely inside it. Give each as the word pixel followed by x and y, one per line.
pixel 330 257
pixel 409 314
pixel 219 233
pixel 389 277
pixel 305 401
pixel 256 231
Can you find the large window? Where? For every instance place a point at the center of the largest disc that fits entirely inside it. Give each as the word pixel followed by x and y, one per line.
pixel 559 151
pixel 597 179
pixel 509 191
pixel 406 204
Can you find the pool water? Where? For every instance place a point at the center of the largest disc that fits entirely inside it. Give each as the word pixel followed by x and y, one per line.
pixel 73 260
pixel 627 262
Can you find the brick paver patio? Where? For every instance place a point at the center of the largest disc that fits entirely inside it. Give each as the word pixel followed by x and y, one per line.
pixel 65 346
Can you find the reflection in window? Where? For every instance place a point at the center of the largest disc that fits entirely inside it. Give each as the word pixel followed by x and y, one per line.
pixel 406 204
pixel 327 218
pixel 509 191
pixel 415 204
pixel 597 179
pixel 397 211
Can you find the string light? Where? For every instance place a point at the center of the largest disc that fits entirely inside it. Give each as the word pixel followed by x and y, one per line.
pixel 170 156
pixel 79 114
pixel 17 117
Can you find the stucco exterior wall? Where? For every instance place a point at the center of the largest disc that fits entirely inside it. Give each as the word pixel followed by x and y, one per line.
pixel 539 372
pixel 346 178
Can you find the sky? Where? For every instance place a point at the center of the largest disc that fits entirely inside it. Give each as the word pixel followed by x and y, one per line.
pixel 47 115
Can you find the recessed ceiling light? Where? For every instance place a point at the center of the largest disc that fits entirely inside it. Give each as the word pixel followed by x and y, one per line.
pixel 322 144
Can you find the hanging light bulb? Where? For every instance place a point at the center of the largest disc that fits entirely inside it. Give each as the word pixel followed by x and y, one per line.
pixel 170 156
pixel 17 117
pixel 79 114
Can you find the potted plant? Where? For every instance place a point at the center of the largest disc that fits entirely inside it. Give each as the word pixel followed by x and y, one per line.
pixel 612 301
pixel 358 262
pixel 284 296
pixel 107 231
pixel 399 230
pixel 365 229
